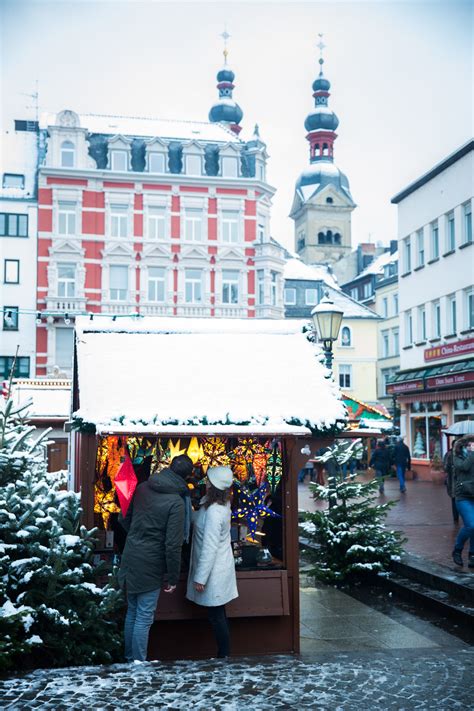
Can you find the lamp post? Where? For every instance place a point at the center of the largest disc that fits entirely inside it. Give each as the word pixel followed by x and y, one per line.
pixel 327 319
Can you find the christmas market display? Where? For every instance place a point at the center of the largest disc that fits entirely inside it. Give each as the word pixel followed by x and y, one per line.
pixel 220 392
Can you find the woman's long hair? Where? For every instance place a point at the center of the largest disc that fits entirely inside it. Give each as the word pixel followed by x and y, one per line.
pixel 216 496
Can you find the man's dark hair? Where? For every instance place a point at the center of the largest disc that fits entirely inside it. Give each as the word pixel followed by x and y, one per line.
pixel 182 465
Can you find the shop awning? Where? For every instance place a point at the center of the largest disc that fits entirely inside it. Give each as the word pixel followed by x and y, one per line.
pixel 451 375
pixel 152 374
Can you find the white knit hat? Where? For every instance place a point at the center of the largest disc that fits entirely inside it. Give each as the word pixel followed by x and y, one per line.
pixel 220 477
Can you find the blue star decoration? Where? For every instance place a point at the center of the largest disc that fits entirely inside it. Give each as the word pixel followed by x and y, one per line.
pixel 252 507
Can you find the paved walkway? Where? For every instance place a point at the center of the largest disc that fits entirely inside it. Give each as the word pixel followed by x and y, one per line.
pixel 423 514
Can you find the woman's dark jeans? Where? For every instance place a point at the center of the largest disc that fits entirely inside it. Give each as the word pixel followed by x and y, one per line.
pixel 218 620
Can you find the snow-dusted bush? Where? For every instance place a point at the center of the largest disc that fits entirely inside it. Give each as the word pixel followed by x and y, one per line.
pixel 350 535
pixel 51 611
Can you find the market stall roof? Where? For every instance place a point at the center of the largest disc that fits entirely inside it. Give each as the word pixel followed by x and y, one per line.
pixel 50 398
pixel 216 375
pixel 367 415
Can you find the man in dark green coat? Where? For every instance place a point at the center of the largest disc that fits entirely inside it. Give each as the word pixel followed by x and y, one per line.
pixel 156 521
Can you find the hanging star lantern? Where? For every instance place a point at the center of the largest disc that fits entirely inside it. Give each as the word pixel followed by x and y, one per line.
pixel 239 468
pixel 195 450
pixel 160 458
pixel 214 453
pixel 175 449
pixel 274 465
pixel 104 503
pixel 125 484
pixel 259 465
pixel 248 447
pixel 252 508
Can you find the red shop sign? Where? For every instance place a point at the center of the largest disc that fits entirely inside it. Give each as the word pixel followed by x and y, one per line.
pixel 405 387
pixel 444 381
pixel 448 350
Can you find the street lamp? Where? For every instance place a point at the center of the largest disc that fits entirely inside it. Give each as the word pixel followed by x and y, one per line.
pixel 327 319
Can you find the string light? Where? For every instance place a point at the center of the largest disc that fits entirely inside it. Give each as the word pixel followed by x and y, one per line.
pixel 8 318
pixel 44 315
pixel 67 320
pixel 38 318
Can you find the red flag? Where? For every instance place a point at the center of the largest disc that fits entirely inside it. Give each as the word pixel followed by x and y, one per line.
pixel 125 484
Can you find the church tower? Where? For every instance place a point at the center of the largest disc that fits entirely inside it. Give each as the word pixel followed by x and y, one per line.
pixel 322 204
pixel 226 110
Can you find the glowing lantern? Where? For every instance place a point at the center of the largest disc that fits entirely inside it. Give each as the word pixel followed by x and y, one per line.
pixel 104 503
pixel 252 507
pixel 175 449
pixel 125 484
pixel 194 450
pixel 214 454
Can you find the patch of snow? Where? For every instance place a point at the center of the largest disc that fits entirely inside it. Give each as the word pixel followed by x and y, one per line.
pixel 69 540
pixel 297 269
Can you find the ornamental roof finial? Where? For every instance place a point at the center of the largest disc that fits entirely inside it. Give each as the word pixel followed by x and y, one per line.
pixel 321 46
pixel 225 36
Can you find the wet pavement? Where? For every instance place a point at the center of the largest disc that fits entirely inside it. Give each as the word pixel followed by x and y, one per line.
pixel 423 514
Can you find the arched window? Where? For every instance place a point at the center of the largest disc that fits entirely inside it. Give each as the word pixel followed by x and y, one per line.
pixel 346 336
pixel 68 154
pixel 329 237
pixel 325 149
pixel 329 200
pixel 321 238
pixel 337 238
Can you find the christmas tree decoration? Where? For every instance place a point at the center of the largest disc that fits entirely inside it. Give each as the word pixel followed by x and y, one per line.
pixel 274 464
pixel 419 446
pixel 195 451
pixel 104 503
pixel 214 453
pixel 252 508
pixel 125 484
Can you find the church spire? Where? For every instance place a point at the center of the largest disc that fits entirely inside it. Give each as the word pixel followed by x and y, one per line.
pixel 321 123
pixel 226 110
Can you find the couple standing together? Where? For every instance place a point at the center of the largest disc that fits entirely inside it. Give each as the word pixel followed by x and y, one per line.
pixel 157 522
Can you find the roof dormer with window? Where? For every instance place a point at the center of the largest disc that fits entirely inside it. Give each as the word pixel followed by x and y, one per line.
pixel 67 145
pixel 119 154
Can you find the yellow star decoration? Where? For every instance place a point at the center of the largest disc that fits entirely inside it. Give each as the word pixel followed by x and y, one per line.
pixel 175 449
pixel 104 503
pixel 195 451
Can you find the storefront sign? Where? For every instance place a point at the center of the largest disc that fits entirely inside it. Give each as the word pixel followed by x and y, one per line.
pixel 412 386
pixel 448 350
pixel 444 381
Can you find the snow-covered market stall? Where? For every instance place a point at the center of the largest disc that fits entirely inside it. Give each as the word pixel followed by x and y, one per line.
pixel 249 394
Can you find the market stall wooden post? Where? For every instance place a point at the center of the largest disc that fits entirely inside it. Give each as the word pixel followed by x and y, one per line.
pixel 264 618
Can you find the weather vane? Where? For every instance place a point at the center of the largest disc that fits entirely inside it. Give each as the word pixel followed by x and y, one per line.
pixel 321 46
pixel 225 36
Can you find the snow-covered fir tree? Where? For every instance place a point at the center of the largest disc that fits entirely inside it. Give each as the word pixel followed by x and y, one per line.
pixel 350 536
pixel 52 613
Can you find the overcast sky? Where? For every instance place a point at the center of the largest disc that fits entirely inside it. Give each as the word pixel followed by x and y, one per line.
pixel 401 75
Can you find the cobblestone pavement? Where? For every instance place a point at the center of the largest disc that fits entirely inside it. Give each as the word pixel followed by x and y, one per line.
pixel 359 681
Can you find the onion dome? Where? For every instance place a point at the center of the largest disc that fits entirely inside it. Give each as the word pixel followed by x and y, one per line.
pixel 321 118
pixel 317 176
pixel 225 74
pixel 226 110
pixel 321 83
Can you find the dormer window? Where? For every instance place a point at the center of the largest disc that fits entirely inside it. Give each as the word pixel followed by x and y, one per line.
pixel 193 165
pixel 68 154
pixel 118 160
pixel 230 167
pixel 156 163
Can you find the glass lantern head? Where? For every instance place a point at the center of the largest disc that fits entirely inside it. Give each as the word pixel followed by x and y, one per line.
pixel 327 319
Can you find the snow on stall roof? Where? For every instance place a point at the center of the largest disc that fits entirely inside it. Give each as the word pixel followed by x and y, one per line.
pixel 378 264
pixel 143 126
pixel 50 398
pixel 218 375
pixel 296 269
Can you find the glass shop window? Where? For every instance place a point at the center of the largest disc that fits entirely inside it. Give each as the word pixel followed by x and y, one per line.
pixel 256 499
pixel 426 432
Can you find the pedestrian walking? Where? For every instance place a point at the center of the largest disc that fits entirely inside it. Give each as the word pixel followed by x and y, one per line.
pixel 448 466
pixel 157 521
pixel 464 493
pixel 380 461
pixel 402 461
pixel 307 469
pixel 212 580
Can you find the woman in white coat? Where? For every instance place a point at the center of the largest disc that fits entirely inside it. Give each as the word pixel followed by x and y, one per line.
pixel 211 580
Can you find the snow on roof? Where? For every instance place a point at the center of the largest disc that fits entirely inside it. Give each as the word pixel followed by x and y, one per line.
pixel 378 264
pixel 153 374
pixel 351 307
pixel 51 399
pixel 297 269
pixel 142 126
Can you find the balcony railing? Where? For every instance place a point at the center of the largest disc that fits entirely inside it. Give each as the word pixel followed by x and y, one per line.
pixel 68 304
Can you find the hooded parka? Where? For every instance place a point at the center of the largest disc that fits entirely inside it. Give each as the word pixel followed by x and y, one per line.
pixel 155 525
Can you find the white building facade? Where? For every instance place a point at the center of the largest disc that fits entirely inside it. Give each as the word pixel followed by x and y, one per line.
pixel 18 229
pixel 435 386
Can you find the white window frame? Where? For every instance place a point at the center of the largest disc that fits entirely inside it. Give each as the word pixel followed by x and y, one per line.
pixel 273 287
pixel 450 232
pixel 467 223
pixel 261 232
pixel 309 299
pixel 152 156
pixel 230 286
pixel 420 248
pixel 193 295
pixel 290 300
pixel 422 335
pixel 230 226
pixel 119 293
pixel 408 328
pixel 68 154
pixel 385 343
pixel 193 225
pixel 348 343
pixel 63 364
pixel 193 164
pixel 115 154
pixel 451 314
pixel 395 304
pixel 367 290
pixel 407 255
pixel 229 166
pixel 436 307
pixel 345 376
pixel 395 341
pixel 260 287
pixel 156 287
pixel 156 223
pixel 385 307
pixel 11 271
pixel 119 221
pixel 434 240
pixel 66 285
pixel 66 218
pixel 469 308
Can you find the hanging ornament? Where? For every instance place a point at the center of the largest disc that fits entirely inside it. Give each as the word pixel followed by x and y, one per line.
pixel 115 451
pixel 214 453
pixel 252 508
pixel 248 447
pixel 274 464
pixel 259 464
pixel 175 449
pixel 125 484
pixel 194 450
pixel 104 503
pixel 239 467
pixel 160 458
